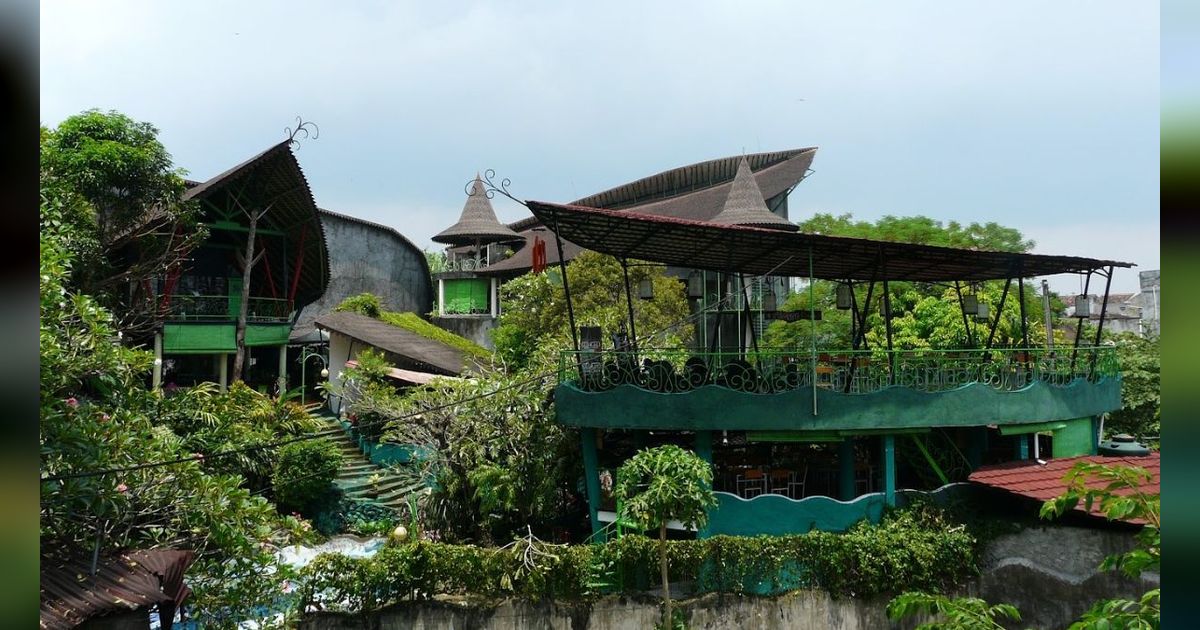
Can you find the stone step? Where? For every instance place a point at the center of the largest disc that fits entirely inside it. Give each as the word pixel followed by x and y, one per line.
pixel 386 484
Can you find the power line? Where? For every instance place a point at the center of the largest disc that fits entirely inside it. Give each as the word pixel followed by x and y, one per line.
pixel 336 430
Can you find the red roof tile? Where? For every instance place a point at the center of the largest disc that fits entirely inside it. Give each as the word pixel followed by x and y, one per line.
pixel 1045 481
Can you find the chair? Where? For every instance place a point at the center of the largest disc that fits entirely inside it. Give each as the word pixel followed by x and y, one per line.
pixel 751 483
pixel 795 487
pixel 781 481
pixel 864 477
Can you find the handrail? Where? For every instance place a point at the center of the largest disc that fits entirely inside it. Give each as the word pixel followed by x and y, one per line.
pixel 221 308
pixel 772 370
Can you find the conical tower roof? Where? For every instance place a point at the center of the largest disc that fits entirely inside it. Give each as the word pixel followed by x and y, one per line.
pixel 745 205
pixel 478 222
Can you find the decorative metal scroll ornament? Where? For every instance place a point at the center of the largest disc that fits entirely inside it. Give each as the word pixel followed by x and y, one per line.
pixel 490 187
pixel 307 127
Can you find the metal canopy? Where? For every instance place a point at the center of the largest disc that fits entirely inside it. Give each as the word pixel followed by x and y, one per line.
pixel 752 250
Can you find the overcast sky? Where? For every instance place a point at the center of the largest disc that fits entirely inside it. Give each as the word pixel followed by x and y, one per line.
pixel 1040 116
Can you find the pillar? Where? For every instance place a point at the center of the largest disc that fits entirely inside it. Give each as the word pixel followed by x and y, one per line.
pixel 889 470
pixel 283 379
pixel 704 446
pixel 1022 446
pixel 846 488
pixel 591 476
pixel 494 286
pixel 223 372
pixel 441 297
pixel 156 374
pixel 977 439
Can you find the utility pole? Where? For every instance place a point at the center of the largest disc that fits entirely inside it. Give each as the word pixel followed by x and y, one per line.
pixel 1047 315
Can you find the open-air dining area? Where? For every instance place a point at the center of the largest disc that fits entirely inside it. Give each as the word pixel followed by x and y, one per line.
pixel 794 471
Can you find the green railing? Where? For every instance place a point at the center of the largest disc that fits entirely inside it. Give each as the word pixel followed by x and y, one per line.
pixel 851 372
pixel 225 308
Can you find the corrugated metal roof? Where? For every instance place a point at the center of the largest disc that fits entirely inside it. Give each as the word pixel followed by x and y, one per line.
pixel 70 595
pixel 1045 481
pixel 706 245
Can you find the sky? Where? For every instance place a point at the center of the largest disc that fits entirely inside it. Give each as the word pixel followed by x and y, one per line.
pixel 1039 116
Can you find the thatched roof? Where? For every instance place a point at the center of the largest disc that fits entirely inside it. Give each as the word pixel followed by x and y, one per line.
pixel 478 222
pixel 745 204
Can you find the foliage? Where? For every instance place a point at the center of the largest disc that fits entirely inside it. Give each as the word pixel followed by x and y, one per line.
pixel 96 414
pixel 109 188
pixel 370 305
pixel 304 473
pixel 660 484
pixel 344 514
pixel 962 613
pixel 413 323
pixel 534 324
pixel 920 230
pixel 436 261
pixel 364 304
pixel 493 451
pixel 210 422
pixel 1139 412
pixel 904 551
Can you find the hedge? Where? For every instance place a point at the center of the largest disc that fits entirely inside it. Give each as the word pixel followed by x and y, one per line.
pixel 899 554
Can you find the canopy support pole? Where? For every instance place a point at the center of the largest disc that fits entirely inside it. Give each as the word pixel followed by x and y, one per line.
pixel 1087 284
pixel 562 266
pixel 999 312
pixel 1024 324
pixel 1100 327
pixel 629 303
pixel 963 309
pixel 887 320
pixel 812 319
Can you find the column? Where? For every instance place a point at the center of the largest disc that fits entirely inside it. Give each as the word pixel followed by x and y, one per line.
pixel 223 372
pixel 591 477
pixel 1022 446
pixel 976 446
pixel 704 451
pixel 494 285
pixel 889 470
pixel 283 380
pixel 156 374
pixel 846 469
pixel 441 297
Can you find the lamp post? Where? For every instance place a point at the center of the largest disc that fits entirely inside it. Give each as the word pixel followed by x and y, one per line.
pixel 307 353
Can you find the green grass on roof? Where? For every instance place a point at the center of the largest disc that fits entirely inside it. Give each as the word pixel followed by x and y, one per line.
pixel 413 323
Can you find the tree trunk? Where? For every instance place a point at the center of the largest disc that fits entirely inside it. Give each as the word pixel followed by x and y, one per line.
pixel 668 619
pixel 240 339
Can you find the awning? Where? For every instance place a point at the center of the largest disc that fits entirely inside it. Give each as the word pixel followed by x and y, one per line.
pixel 408 376
pixel 703 245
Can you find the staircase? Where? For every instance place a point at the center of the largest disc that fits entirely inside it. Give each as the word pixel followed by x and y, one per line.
pixel 356 471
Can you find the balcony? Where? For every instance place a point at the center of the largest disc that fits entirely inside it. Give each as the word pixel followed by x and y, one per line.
pixel 224 308
pixel 789 390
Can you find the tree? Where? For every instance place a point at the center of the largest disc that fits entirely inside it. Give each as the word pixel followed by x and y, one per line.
pixel 1139 412
pixel 661 484
pixel 534 324
pixel 960 613
pixel 110 191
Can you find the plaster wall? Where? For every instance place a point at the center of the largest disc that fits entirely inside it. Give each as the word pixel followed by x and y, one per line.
pixel 365 258
pixel 474 327
pixel 1048 573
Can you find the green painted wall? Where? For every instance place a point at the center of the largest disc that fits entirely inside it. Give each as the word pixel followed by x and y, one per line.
pixel 214 338
pixel 466 295
pixel 777 515
pixel 712 407
pixel 1075 439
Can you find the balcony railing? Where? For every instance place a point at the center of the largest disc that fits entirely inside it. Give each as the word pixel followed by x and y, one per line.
pixel 852 372
pixel 223 308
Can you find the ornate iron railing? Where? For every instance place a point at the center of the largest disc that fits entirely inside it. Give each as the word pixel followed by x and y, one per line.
pixel 852 372
pixel 222 308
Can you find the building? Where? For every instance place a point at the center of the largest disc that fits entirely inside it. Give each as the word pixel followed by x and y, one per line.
pixel 199 303
pixel 1148 301
pixel 803 439
pixel 697 192
pixel 1121 312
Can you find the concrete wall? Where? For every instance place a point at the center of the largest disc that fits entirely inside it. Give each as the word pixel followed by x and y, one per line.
pixel 1048 573
pixel 474 327
pixel 368 258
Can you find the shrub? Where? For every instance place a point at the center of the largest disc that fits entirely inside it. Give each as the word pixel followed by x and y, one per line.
pixel 304 474
pixel 364 304
pixel 342 514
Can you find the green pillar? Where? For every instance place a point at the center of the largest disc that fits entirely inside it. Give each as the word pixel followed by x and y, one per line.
pixel 889 470
pixel 1022 446
pixel 846 469
pixel 591 476
pixel 977 438
pixel 1095 435
pixel 704 451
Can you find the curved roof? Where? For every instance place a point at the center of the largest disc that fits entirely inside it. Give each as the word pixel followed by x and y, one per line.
pixel 477 223
pixel 699 191
pixel 747 249
pixel 745 204
pixel 274 178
